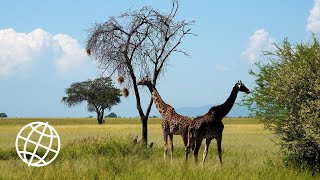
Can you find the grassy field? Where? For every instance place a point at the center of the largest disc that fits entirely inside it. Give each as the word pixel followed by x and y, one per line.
pixel 92 151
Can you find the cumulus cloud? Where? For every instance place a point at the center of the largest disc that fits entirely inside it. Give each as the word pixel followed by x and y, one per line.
pixel 18 51
pixel 73 55
pixel 258 42
pixel 313 24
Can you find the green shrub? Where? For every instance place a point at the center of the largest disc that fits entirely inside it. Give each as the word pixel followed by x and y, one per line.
pixel 3 115
pixel 111 115
pixel 287 99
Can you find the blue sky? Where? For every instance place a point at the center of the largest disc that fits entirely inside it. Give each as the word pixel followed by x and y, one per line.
pixel 42 49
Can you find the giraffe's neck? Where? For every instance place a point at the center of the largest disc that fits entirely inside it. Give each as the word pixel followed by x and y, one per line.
pixel 228 104
pixel 160 104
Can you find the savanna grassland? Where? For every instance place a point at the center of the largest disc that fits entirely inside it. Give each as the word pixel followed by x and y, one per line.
pixel 92 151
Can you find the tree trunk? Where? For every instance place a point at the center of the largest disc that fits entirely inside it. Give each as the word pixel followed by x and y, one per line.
pixel 99 117
pixel 144 117
pixel 144 121
pixel 102 116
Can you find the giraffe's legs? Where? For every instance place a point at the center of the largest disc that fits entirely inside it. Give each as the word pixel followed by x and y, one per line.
pixel 187 152
pixel 165 152
pixel 219 149
pixel 165 138
pixel 197 148
pixel 205 152
pixel 171 145
pixel 185 141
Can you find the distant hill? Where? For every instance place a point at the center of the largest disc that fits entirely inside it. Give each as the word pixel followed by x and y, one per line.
pixel 236 111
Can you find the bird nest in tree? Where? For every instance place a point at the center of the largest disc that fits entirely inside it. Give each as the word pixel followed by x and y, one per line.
pixel 88 51
pixel 125 92
pixel 120 79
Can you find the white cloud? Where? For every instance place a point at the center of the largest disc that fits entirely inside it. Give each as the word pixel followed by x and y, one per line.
pixel 18 51
pixel 313 24
pixel 222 68
pixel 73 55
pixel 258 42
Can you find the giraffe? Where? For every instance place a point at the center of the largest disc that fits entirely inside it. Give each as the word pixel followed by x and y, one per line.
pixel 210 126
pixel 172 123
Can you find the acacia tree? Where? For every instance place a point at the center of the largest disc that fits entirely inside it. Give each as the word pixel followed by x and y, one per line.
pixel 136 44
pixel 100 94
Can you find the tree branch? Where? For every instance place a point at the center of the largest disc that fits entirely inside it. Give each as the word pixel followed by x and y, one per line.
pixel 149 107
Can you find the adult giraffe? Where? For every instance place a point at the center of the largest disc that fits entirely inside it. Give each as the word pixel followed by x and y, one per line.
pixel 172 123
pixel 210 126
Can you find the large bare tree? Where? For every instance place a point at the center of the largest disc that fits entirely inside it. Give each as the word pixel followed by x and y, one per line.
pixel 135 44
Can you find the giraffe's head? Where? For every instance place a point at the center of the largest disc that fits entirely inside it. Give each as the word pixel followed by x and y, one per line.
pixel 241 87
pixel 145 82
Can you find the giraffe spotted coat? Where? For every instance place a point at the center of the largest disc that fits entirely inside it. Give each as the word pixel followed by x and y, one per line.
pixel 172 123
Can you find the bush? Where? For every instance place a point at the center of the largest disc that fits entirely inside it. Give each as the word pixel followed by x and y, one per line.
pixel 287 99
pixel 3 115
pixel 112 115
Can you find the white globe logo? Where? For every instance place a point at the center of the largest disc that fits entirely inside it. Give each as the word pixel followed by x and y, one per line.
pixel 35 142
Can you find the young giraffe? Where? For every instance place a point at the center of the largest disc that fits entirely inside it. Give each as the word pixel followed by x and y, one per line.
pixel 210 126
pixel 172 123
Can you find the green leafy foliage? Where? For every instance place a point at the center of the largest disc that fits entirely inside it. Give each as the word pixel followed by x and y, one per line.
pixel 3 115
pixel 100 94
pixel 287 99
pixel 112 115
